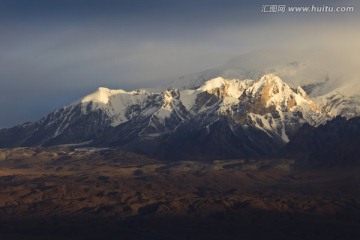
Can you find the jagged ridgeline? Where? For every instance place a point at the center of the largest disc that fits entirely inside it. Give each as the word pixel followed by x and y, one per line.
pixel 223 118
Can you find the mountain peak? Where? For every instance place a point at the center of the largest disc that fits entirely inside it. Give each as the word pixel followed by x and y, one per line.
pixel 223 88
pixel 271 91
pixel 213 84
pixel 102 95
pixel 271 79
pixel 272 84
pixel 223 114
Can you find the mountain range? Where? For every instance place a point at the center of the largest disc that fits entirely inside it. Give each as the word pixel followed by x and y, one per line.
pixel 213 118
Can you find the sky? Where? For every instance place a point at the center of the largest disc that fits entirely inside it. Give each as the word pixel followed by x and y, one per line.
pixel 55 52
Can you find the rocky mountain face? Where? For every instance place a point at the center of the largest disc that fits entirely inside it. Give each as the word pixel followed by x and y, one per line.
pixel 65 125
pixel 336 142
pixel 222 118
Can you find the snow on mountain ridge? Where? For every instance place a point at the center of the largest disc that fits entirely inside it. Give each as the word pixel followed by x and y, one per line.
pixel 115 103
pixel 257 116
pixel 227 90
pixel 320 71
pixel 270 89
pixel 274 91
pixel 338 104
pixel 102 95
pixel 269 104
pixel 273 106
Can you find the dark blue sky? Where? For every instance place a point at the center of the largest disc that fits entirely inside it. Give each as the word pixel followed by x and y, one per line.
pixel 53 52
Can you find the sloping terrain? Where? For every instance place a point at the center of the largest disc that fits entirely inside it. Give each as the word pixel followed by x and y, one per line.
pixel 334 143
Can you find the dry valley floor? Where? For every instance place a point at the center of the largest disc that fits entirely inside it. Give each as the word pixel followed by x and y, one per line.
pixel 63 193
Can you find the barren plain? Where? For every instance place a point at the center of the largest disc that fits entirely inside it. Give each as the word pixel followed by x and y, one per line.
pixel 67 193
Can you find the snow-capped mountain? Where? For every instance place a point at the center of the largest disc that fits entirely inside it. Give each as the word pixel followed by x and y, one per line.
pixel 329 76
pixel 338 104
pixel 220 118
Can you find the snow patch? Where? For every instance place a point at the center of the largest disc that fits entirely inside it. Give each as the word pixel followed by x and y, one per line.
pixel 188 98
pixel 212 84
